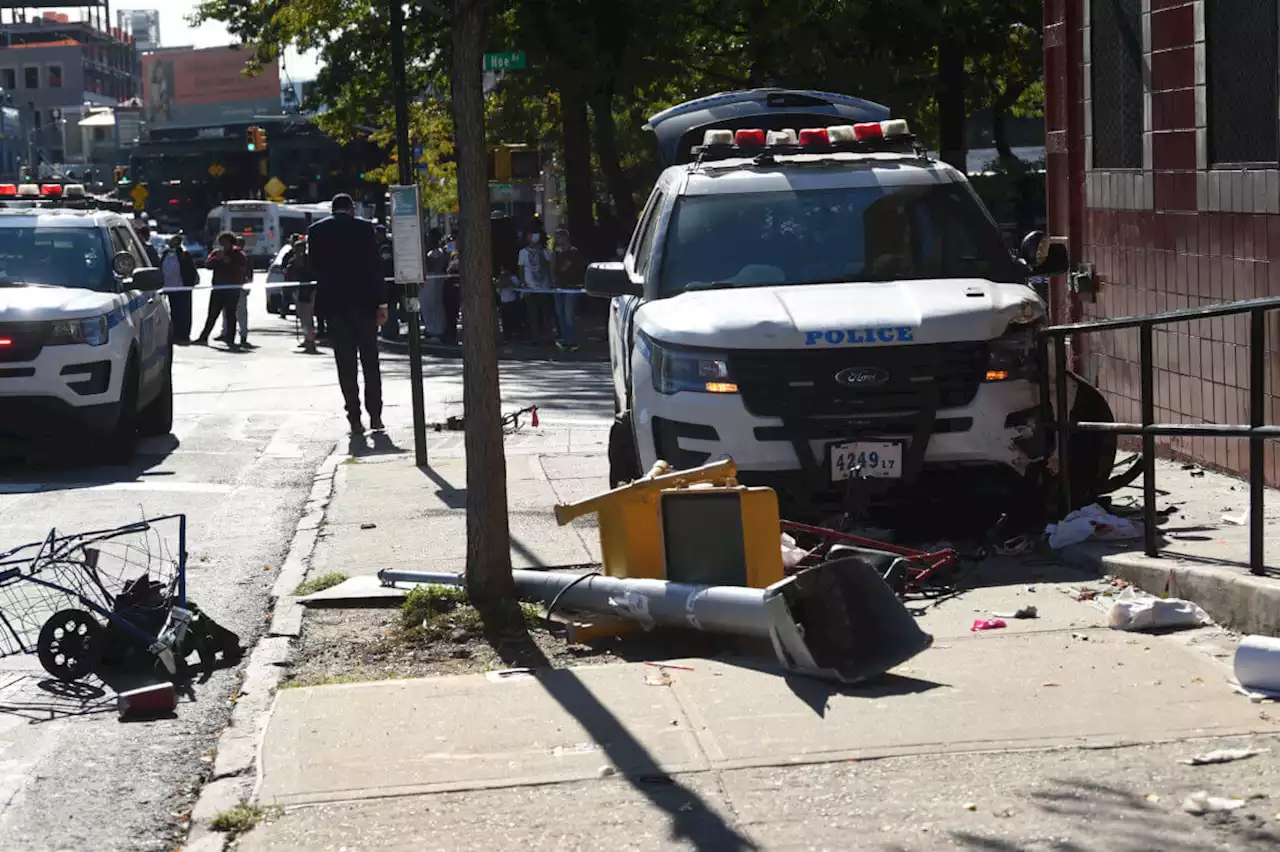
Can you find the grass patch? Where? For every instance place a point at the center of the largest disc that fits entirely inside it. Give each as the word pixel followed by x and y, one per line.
pixel 241 818
pixel 434 611
pixel 319 584
pixel 334 680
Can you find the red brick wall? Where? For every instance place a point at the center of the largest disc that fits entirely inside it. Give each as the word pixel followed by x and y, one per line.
pixel 1185 243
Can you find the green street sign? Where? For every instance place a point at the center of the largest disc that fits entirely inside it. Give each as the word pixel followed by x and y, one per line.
pixel 511 61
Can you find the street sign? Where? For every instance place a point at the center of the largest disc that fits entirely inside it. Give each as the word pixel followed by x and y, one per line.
pixel 501 190
pixel 513 60
pixel 275 188
pixel 406 234
pixel 139 194
pixel 217 170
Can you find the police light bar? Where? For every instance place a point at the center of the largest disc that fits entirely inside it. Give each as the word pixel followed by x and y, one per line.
pixel 51 190
pixel 73 190
pixel 8 190
pixel 863 136
pixel 28 190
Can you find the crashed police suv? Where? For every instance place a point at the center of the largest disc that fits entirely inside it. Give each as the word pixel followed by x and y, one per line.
pixel 809 293
pixel 85 352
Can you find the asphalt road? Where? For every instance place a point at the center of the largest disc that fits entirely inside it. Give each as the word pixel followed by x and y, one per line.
pixel 250 429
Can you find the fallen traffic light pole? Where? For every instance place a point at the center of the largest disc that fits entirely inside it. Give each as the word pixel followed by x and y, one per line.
pixel 835 621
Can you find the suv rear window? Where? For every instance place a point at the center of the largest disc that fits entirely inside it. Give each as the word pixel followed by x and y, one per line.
pixel 246 225
pixel 822 236
pixel 58 257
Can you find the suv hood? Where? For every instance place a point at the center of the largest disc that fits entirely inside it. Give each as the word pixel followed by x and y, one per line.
pixel 27 304
pixel 839 315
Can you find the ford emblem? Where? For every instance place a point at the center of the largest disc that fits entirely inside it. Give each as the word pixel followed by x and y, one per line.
pixel 861 377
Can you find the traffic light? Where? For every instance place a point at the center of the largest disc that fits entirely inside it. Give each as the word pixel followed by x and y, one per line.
pixel 255 140
pixel 262 138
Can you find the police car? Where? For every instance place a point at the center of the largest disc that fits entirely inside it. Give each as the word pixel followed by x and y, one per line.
pixel 84 335
pixel 810 294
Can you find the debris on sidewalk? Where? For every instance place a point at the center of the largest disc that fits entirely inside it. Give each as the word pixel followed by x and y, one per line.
pixel 1091 522
pixel 1200 803
pixel 987 624
pixel 1025 612
pixel 1240 519
pixel 1140 611
pixel 1224 755
pixel 156 701
pixel 1257 666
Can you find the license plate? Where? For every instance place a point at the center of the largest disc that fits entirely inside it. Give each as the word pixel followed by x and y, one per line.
pixel 878 460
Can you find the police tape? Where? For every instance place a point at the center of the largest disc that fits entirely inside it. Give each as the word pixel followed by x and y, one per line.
pixel 295 285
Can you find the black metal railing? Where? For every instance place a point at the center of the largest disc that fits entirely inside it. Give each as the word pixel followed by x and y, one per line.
pixel 1257 431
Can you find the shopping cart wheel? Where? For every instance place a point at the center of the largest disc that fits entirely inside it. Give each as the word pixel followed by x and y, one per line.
pixel 70 644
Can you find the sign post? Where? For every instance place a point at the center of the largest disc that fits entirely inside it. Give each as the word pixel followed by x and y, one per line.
pixel 406 231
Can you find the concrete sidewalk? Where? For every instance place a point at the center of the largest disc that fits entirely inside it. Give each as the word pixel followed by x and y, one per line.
pixel 1203 557
pixel 726 754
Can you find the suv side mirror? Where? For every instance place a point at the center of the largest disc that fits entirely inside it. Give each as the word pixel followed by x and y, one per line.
pixel 609 279
pixel 1042 256
pixel 147 278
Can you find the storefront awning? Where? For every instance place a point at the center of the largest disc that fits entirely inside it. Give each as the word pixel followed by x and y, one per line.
pixel 99 119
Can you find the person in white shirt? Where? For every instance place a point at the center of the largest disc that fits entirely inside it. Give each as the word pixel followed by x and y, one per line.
pixel 535 270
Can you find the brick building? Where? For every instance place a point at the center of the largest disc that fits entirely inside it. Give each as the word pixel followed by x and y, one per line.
pixel 1163 155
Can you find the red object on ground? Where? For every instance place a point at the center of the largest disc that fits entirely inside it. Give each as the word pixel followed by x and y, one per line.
pixel 988 624
pixel 534 415
pixel 924 565
pixel 147 702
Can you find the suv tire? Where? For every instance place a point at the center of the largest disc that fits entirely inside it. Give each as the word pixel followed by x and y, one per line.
pixel 157 417
pixel 624 460
pixel 122 441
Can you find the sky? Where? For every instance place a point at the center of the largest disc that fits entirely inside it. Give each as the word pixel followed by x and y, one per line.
pixel 176 32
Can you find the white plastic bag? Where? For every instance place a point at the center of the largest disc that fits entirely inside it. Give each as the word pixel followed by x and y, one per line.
pixel 1090 522
pixel 791 554
pixel 1140 611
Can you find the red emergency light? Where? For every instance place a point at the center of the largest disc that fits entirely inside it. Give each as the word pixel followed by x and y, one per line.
pixel 748 138
pixel 868 130
pixel 52 190
pixel 814 136
pixel 6 341
pixel 8 189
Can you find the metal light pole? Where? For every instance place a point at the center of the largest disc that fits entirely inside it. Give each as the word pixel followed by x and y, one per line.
pixel 406 178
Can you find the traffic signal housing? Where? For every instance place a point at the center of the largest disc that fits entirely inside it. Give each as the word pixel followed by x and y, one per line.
pixel 255 140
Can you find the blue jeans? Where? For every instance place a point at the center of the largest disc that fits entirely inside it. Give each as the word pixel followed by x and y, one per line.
pixel 566 307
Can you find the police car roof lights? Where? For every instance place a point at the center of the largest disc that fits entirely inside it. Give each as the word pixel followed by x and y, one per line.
pixel 73 190
pixel 51 190
pixel 892 135
pixel 8 190
pixel 29 190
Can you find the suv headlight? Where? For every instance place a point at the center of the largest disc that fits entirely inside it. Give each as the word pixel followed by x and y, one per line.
pixel 91 332
pixel 675 370
pixel 1014 355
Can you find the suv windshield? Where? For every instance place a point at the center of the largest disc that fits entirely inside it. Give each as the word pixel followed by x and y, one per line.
pixel 245 225
pixel 871 233
pixel 58 257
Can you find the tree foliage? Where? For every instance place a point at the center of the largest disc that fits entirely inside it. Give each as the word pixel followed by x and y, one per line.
pixel 598 70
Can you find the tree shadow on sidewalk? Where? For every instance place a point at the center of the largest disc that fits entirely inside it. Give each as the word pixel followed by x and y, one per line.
pixel 693 820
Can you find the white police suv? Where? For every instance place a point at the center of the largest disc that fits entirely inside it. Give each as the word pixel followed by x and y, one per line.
pixel 85 348
pixel 810 294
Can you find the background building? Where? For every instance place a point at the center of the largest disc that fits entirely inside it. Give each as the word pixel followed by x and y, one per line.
pixel 1163 141
pixel 142 25
pixel 54 70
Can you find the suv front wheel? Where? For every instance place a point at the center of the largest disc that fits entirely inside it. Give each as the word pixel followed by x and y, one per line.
pixel 122 441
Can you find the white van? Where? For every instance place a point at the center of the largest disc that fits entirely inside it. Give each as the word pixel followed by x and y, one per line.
pixel 265 225
pixel 809 293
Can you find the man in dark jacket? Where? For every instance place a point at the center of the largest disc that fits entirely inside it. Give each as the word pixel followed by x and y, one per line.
pixel 352 295
pixel 228 264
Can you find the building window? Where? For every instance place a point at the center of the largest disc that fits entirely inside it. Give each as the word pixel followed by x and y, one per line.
pixel 1241 70
pixel 1115 37
pixel 8 79
pixel 31 77
pixel 55 76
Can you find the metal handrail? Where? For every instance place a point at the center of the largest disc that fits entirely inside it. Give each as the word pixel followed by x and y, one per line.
pixel 1257 431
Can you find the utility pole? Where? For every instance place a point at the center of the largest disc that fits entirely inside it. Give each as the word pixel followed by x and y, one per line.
pixel 407 178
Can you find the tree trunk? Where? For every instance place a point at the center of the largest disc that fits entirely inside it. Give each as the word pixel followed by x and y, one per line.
pixel 606 138
pixel 489 583
pixel 951 98
pixel 575 130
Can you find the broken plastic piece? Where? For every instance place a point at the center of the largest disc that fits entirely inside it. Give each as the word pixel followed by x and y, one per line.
pixel 987 624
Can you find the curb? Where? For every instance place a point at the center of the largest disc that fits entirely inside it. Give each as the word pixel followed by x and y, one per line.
pixel 236 754
pixel 1231 596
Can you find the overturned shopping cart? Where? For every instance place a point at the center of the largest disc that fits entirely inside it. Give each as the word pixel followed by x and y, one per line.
pixel 120 592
